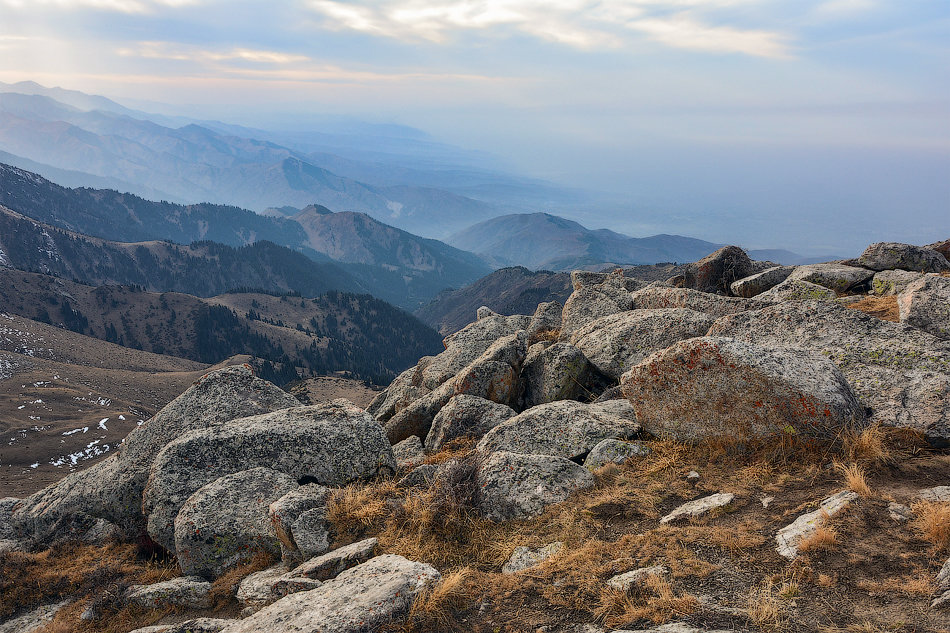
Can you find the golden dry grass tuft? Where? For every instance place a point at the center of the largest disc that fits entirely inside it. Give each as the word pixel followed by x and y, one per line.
pixel 764 606
pixel 932 521
pixel 354 509
pixel 823 537
pixel 551 334
pixel 854 478
pixel 884 308
pixel 871 446
pixel 655 600
pixel 433 609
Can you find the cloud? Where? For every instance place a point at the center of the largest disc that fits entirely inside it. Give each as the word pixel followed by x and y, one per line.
pixel 179 52
pixel 584 24
pixel 122 6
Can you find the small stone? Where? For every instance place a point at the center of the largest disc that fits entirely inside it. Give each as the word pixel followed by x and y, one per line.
pixel 791 535
pixel 692 477
pixel 937 493
pixel 899 512
pixel 767 501
pixel 187 591
pixel 637 577
pixel 699 507
pixel 614 452
pixel 527 557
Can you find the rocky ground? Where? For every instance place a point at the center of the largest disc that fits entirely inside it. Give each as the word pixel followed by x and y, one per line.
pixel 741 447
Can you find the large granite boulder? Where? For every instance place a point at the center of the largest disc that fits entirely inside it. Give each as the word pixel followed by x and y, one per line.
pixel 655 297
pixel 465 416
pixel 837 277
pixel 546 319
pixel 516 486
pixel 925 304
pixel 617 342
pixel 756 284
pixel 330 444
pixel 798 290
pixel 901 373
pixel 190 592
pixel 941 247
pixel 717 271
pixel 595 295
pixel 112 489
pixel 565 428
pixel 226 522
pixel 887 283
pixel 893 255
pixel 558 372
pixel 713 387
pixel 401 392
pixel 300 522
pixel 365 598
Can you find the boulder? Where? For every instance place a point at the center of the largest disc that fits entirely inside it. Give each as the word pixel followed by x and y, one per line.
pixel 527 557
pixel 655 297
pixel 419 477
pixel 515 486
pixel 254 592
pixel 609 295
pixel 837 277
pixel 546 319
pixel 112 489
pixel 615 343
pixel 34 621
pixel 565 428
pixel 798 290
pixel 416 419
pixel 300 523
pixel 557 372
pixel 409 453
pixel 891 255
pixel 717 271
pixel 364 598
pixel 401 392
pixel 925 304
pixel 939 494
pixel 465 416
pixel 331 444
pixel 941 247
pixel 699 507
pixel 199 625
pixel 226 521
pixel 902 373
pixel 756 284
pixel 637 578
pixel 332 564
pixel 190 592
pixel 714 387
pixel 614 452
pixel 791 535
pixel 889 283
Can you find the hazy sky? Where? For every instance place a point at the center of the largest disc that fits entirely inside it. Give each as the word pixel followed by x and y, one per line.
pixel 759 111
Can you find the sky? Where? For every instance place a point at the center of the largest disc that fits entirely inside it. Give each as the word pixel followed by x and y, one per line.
pixel 753 118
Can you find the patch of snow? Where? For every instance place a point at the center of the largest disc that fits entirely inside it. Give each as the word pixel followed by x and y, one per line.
pixel 3 259
pixel 93 449
pixel 35 465
pixel 121 417
pixel 102 424
pixel 84 429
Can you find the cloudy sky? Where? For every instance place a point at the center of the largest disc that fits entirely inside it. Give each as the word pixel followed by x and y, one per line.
pixel 739 111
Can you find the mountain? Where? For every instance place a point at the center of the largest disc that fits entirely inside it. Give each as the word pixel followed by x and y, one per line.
pixel 389 263
pixel 542 240
pixel 335 332
pixel 514 290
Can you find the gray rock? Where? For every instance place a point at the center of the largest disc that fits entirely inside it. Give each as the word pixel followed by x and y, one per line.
pixel 557 372
pixel 416 419
pixel 565 428
pixel 332 564
pixel 798 290
pixel 159 628
pixel 756 284
pixel 32 621
pixel 6 518
pixel 941 600
pixel 941 247
pixel 515 486
pixel 719 387
pixel 676 627
pixel 899 512
pixel 939 494
pixel 699 507
pixel 190 592
pixel 419 477
pixel 465 416
pixel 330 444
pixel 589 302
pixel 890 255
pixel 889 283
pixel 546 318
pixel 925 304
pixel 717 271
pixel 837 277
pixel 791 535
pixel 299 520
pixel 617 342
pixel 361 599
pixel 614 452
pixel 409 453
pixel 255 590
pixel 527 557
pixel 284 586
pixel 656 297
pixel 637 578
pixel 112 489
pixel 226 522
pixel 401 392
pixel 902 373
pixel 200 625
pixel 943 577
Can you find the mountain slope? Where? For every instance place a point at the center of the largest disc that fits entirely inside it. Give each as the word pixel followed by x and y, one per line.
pixel 542 240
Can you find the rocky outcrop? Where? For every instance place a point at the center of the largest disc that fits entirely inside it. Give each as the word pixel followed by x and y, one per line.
pixel 656 297
pixel 617 342
pixel 112 489
pixel 465 416
pixel 515 486
pixel 717 271
pixel 595 295
pixel 466 345
pixel 892 282
pixel 558 372
pixel 226 522
pixel 614 452
pixel 758 283
pixel 332 564
pixel 364 598
pixel 713 387
pixel 837 277
pixel 894 255
pixel 901 373
pixel 527 557
pixel 545 321
pixel 330 444
pixel 188 591
pixel 798 290
pixel 925 304
pixel 565 428
pixel 299 520
pixel 409 453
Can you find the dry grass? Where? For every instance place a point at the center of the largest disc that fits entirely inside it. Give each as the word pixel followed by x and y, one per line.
pixel 354 509
pixel 824 537
pixel 654 600
pixel 433 609
pixel 458 448
pixel 764 607
pixel 551 334
pixel 932 521
pixel 884 308
pixel 918 583
pixel 854 478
